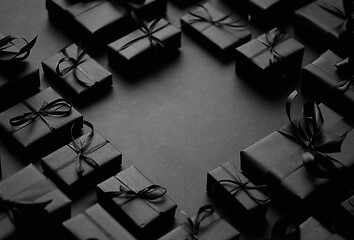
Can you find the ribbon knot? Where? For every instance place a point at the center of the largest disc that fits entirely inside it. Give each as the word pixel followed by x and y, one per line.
pixel 272 38
pixel 22 54
pixel 150 193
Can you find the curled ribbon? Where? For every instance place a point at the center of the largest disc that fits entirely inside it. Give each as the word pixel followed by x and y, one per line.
pixel 150 193
pixel 308 132
pixel 272 38
pixel 22 54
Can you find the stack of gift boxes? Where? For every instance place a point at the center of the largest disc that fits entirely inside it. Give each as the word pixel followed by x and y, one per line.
pixel 299 163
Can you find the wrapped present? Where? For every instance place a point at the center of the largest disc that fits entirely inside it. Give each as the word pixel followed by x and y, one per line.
pixel 30 204
pixel 95 223
pixel 206 225
pixel 232 188
pixel 19 78
pixel 98 21
pixel 141 206
pixel 313 229
pixel 40 123
pixel 83 161
pixel 222 32
pixel 152 39
pixel 146 9
pixel 74 69
pixel 345 216
pixel 323 80
pixel 307 158
pixel 273 55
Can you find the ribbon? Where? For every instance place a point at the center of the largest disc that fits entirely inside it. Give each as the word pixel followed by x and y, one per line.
pixel 150 193
pixel 345 68
pixel 308 132
pixel 22 54
pixel 273 38
pixel 286 229
pixel 345 13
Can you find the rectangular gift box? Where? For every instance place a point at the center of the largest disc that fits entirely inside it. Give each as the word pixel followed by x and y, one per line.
pixel 313 229
pixel 140 216
pixel 60 165
pixel 320 79
pixel 87 78
pixel 39 133
pixel 254 58
pixel 146 9
pixel 277 161
pixel 136 48
pixel 225 184
pixel 95 223
pixel 221 38
pixel 18 80
pixel 31 186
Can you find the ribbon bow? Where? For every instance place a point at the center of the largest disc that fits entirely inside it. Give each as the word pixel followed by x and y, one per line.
pixel 272 38
pixel 22 54
pixel 345 68
pixel 308 131
pixel 150 193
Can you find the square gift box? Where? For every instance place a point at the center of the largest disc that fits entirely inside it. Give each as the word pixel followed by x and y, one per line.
pixel 312 229
pixel 40 123
pixel 146 9
pixel 140 206
pixel 76 71
pixel 29 186
pixel 95 223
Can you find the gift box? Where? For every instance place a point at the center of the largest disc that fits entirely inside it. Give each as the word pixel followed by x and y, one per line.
pixel 95 223
pixel 302 165
pixel 75 70
pixel 40 123
pixel 345 217
pixel 322 80
pixel 151 40
pixel 19 78
pixel 232 188
pixel 146 9
pixel 313 229
pixel 86 160
pixel 273 55
pixel 26 194
pixel 221 32
pixel 206 225
pixel 98 21
pixel 138 204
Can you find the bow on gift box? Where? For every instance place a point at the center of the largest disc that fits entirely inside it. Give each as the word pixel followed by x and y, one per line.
pixel 22 54
pixel 307 130
pixel 273 38
pixel 345 68
pixel 150 193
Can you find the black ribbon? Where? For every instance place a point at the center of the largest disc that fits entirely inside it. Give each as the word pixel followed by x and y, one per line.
pixel 150 193
pixel 286 229
pixel 308 132
pixel 273 38
pixel 22 54
pixel 345 68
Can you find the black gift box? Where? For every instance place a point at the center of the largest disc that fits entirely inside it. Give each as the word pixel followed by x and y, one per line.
pixel 345 217
pixel 18 80
pixel 37 124
pixel 138 47
pixel 313 229
pixel 322 80
pixel 231 187
pixel 95 223
pixel 139 215
pixel 148 9
pixel 31 186
pixel 268 58
pixel 61 165
pixel 85 78
pixel 219 36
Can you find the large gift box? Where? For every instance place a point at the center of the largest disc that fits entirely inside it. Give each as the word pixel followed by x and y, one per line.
pixel 40 123
pixel 19 78
pixel 273 56
pixel 85 160
pixel 95 223
pixel 323 80
pixel 231 188
pixel 313 229
pixel 33 203
pixel 206 225
pixel 146 9
pixel 222 32
pixel 76 71
pixel 141 206
pixel 151 41
pixel 307 158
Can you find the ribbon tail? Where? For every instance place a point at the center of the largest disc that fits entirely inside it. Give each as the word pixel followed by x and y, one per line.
pixel 79 169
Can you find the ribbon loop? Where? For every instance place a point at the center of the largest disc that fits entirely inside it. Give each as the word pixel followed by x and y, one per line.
pixel 20 55
pixel 150 193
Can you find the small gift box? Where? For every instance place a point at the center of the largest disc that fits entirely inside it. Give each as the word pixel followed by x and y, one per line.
pixel 141 206
pixel 95 223
pixel 40 123
pixel 305 159
pixel 323 80
pixel 86 159
pixel 19 78
pixel 152 39
pixel 77 71
pixel 231 187
pixel 312 229
pixel 206 225
pixel 94 21
pixel 146 9
pixel 273 55
pixel 30 204
pixel 222 32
